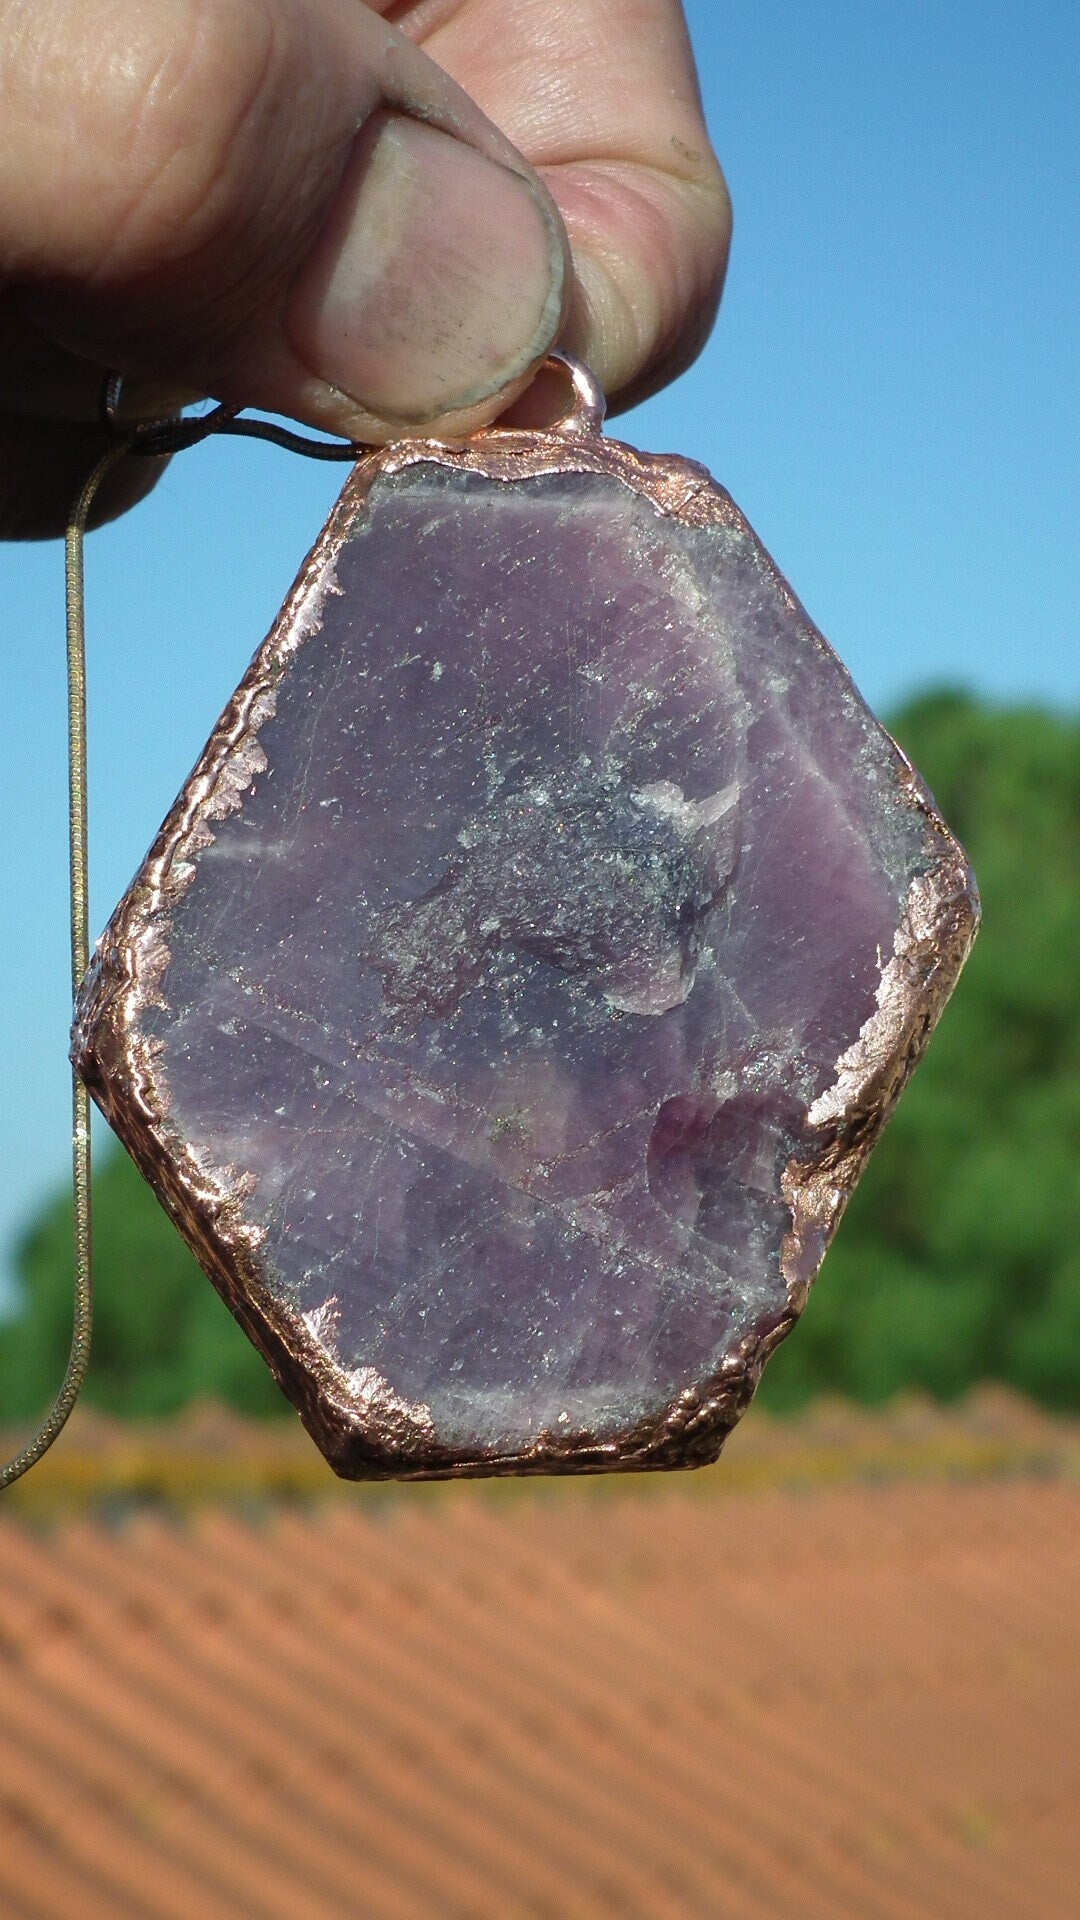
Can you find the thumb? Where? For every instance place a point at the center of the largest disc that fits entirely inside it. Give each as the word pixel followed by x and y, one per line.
pixel 280 203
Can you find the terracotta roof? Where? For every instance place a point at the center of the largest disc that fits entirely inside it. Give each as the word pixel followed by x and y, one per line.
pixel 639 1700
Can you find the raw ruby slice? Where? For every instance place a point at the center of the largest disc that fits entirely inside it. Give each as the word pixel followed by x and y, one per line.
pixel 512 998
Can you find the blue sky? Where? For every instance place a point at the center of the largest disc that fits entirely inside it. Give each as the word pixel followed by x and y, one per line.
pixel 891 394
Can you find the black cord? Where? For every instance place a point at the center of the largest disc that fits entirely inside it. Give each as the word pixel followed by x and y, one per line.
pixel 157 439
pixel 294 442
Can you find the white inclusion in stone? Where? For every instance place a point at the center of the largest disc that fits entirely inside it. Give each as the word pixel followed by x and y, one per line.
pixel 666 799
pixel 322 1323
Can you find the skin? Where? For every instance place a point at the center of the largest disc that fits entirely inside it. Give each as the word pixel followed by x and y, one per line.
pixel 373 218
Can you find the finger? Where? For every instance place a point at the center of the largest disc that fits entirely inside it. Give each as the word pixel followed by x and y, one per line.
pixel 277 202
pixel 50 436
pixel 43 465
pixel 601 97
pixel 41 381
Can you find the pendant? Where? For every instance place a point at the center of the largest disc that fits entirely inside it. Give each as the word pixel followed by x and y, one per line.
pixel 511 999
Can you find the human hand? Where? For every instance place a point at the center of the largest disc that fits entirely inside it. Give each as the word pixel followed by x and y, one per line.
pixel 375 218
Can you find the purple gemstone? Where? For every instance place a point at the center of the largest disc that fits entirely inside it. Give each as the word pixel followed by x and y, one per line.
pixel 511 1000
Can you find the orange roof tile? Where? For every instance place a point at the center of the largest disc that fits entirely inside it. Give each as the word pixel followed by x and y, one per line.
pixel 646 1701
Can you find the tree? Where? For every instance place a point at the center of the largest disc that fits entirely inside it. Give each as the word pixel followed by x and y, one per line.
pixel 162 1337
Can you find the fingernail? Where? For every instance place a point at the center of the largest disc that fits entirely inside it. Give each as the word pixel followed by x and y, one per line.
pixel 437 279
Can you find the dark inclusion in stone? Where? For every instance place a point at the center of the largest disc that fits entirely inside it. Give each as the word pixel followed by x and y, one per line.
pixel 604 882
pixel 510 1024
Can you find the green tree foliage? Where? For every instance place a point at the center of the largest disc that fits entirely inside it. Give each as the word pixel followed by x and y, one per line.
pixel 959 1259
pixel 162 1337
